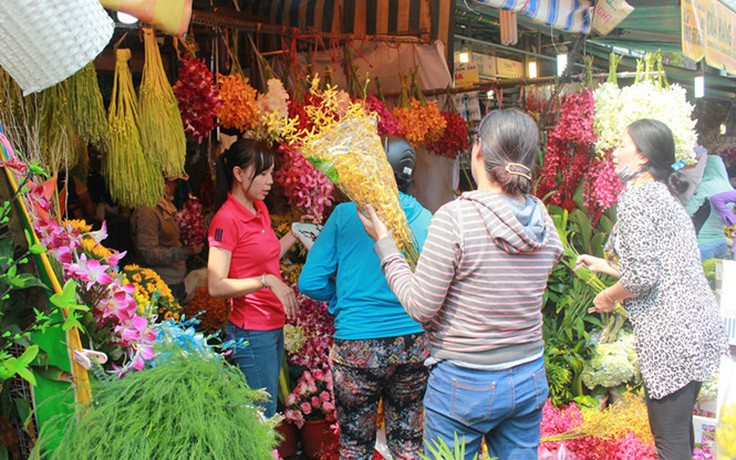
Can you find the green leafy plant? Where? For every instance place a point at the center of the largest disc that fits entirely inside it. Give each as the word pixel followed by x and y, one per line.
pixel 567 323
pixel 441 451
pixel 24 305
pixel 17 319
pixel 188 406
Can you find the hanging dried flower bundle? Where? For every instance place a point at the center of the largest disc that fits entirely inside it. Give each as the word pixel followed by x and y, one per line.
pixel 273 105
pixel 454 140
pixel 421 120
pixel 162 132
pixel 61 147
pixel 387 124
pixel 133 180
pixel 569 150
pixel 87 108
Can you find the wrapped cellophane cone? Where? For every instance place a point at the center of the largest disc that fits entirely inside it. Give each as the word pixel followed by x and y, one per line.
pixel 351 152
pixel 342 141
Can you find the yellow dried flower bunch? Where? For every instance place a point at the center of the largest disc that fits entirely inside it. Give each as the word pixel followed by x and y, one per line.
pixel 628 415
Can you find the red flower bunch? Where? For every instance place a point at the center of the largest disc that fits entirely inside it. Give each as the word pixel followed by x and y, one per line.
pixel 304 185
pixel 319 327
pixel 313 398
pixel 387 124
pixel 198 97
pixel 454 140
pixel 569 150
pixel 602 187
pixel 191 223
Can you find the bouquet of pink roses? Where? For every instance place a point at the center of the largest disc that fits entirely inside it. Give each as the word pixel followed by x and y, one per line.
pixel 312 399
pixel 191 223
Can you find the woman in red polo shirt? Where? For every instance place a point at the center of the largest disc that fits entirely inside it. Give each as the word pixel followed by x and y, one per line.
pixel 244 264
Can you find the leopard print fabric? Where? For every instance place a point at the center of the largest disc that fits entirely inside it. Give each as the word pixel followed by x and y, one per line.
pixel 679 333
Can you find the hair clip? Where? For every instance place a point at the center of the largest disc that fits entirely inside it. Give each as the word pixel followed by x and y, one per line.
pixel 518 173
pixel 678 165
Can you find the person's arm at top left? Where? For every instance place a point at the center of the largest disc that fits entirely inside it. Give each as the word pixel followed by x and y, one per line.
pixel 720 203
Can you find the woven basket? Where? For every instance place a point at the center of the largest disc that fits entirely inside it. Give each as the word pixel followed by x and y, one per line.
pixel 42 42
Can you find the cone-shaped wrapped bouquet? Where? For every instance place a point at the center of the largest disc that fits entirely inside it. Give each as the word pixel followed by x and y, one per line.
pixel 344 144
pixel 351 155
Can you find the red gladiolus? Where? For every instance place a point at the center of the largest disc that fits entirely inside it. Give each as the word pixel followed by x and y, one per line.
pixel 602 187
pixel 569 150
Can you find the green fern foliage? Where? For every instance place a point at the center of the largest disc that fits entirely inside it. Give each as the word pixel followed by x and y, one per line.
pixel 188 407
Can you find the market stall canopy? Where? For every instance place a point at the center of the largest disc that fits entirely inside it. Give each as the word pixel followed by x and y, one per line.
pixel 567 15
pixel 429 19
pixel 653 25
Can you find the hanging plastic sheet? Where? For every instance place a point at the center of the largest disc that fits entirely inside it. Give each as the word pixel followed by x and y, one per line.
pixel 568 15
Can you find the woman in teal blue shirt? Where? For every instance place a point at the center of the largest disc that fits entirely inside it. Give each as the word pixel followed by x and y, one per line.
pixel 379 351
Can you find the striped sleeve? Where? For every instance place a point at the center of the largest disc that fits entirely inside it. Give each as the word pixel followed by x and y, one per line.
pixel 423 292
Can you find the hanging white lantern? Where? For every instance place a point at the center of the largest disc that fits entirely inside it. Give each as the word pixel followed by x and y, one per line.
pixel 42 42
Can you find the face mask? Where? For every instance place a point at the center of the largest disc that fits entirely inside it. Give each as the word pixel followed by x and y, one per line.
pixel 626 175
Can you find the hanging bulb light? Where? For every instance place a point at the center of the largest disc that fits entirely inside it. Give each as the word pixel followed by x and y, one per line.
pixel 699 81
pixel 561 63
pixel 126 18
pixel 531 70
pixel 699 86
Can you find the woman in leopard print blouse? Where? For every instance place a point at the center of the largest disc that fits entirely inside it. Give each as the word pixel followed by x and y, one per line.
pixel 654 252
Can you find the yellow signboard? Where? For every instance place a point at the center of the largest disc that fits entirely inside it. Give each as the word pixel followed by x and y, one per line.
pixel 709 31
pixel 466 75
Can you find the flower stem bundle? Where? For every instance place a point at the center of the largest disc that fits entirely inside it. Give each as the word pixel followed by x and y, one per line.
pixel 615 320
pixel 162 131
pixel 133 181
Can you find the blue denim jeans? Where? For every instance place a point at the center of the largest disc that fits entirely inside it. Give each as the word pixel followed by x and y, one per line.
pixel 504 406
pixel 715 250
pixel 260 360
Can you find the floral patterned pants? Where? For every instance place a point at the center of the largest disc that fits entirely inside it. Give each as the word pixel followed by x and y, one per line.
pixel 366 371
